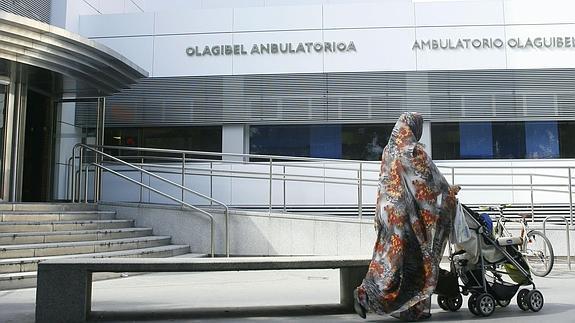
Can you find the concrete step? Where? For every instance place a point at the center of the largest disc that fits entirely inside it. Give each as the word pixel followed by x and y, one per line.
pixel 48 207
pixel 31 263
pixel 39 226
pixel 26 279
pixel 67 248
pixel 69 236
pixel 47 216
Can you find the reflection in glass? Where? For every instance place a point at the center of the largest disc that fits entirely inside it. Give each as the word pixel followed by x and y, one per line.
pixel 180 138
pixel 365 142
pixel 359 142
pixel 509 140
pixel 475 140
pixel 541 139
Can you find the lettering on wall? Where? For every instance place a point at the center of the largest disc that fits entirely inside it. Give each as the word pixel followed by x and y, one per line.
pixel 272 49
pixel 494 43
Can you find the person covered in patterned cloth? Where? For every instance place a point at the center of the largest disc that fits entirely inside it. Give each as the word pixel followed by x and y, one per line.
pixel 414 212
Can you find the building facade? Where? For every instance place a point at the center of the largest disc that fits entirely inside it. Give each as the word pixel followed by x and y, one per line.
pixel 493 78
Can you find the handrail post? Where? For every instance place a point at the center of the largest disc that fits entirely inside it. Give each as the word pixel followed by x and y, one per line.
pixel 227 216
pixel 86 184
pixel 97 159
pixel 81 162
pixel 183 175
pixel 360 191
pixel 531 192
pixel 213 239
pixel 566 232
pixel 284 188
pixel 271 185
pixel 570 197
pixel 73 176
pixel 68 178
pixel 211 182
pixel 452 175
pixel 141 181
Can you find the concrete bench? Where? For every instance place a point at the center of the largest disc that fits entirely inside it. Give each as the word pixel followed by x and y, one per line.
pixel 64 288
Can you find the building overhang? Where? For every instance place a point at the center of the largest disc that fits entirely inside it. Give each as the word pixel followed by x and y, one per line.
pixel 88 68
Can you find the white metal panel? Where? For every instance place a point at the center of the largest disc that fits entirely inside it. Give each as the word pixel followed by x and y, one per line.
pixel 455 59
pixel 140 3
pixel 132 6
pixel 232 3
pixel 539 12
pixel 377 50
pixel 73 10
pixel 94 3
pixel 392 13
pixel 233 140
pixel 141 24
pixel 195 21
pixel 139 50
pixel 170 58
pixel 448 13
pixel 171 5
pixel 347 1
pixel 277 18
pixel 111 6
pixel 277 63
pixel 540 57
pixel 271 3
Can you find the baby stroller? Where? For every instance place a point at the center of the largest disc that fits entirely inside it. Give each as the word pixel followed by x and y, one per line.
pixel 492 271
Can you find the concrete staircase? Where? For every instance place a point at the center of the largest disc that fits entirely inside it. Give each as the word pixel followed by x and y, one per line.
pixel 33 232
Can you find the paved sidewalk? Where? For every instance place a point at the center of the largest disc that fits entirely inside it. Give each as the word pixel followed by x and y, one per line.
pixel 193 297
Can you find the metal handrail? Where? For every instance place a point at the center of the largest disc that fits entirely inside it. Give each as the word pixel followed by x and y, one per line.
pixel 566 232
pixel 90 148
pixel 363 171
pixel 205 153
pixel 183 203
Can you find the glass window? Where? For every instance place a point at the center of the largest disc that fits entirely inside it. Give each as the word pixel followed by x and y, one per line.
pixel 360 142
pixel 184 138
pixel 364 142
pixel 325 141
pixel 445 141
pixel 475 140
pixel 541 139
pixel 280 140
pixel 493 140
pixel 181 138
pixel 509 140
pixel 566 142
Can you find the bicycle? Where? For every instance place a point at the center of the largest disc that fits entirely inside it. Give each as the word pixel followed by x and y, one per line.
pixel 534 245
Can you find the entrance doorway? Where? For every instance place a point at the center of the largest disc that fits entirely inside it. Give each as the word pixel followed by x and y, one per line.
pixel 38 144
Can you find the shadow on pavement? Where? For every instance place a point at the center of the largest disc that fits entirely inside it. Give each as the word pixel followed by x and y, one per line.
pixel 199 313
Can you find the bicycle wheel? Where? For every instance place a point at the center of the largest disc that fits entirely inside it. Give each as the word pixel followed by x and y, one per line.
pixel 539 253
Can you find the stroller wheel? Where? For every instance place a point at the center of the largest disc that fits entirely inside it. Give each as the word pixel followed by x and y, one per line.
pixel 471 304
pixel 485 304
pixel 503 302
pixel 534 300
pixel 454 303
pixel 522 299
pixel 442 301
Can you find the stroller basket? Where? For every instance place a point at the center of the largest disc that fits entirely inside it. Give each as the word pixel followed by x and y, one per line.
pixel 504 291
pixel 447 284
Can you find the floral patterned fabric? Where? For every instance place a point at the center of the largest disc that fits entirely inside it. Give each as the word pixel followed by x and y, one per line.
pixel 415 208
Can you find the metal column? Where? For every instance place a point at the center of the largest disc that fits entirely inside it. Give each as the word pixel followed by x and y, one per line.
pixel 15 122
pixel 100 122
